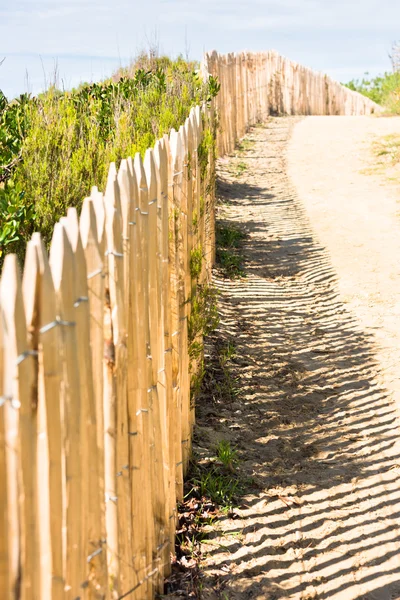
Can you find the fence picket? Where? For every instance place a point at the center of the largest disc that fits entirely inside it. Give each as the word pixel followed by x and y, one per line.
pixel 40 307
pixel 63 271
pixel 144 413
pixel 21 384
pixel 161 454
pixel 117 428
pixel 95 292
pixel 175 233
pixel 165 376
pixel 128 195
pixel 5 477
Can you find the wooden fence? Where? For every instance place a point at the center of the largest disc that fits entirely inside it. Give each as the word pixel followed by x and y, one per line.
pixel 96 415
pixel 256 85
pixel 95 418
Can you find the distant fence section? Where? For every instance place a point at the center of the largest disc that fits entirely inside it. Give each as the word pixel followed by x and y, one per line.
pixel 256 85
pixel 96 410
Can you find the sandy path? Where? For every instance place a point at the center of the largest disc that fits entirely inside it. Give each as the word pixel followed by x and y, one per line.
pixel 316 325
pixel 357 218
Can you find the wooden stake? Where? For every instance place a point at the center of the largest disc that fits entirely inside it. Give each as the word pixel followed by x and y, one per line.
pixel 63 270
pixel 22 389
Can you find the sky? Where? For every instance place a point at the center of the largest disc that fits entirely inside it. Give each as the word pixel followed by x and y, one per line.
pixel 86 40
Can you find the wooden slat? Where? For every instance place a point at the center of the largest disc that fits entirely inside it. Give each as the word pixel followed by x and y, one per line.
pixel 96 294
pixel 92 550
pixel 40 307
pixel 161 452
pixel 184 306
pixel 22 390
pixel 5 534
pixel 174 203
pixel 144 422
pixel 117 429
pixel 63 270
pixel 162 160
pixel 100 212
pixel 139 514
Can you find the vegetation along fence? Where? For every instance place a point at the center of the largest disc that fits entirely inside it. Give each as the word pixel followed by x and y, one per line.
pixel 101 351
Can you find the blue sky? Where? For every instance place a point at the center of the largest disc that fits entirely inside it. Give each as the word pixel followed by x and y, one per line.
pixel 88 39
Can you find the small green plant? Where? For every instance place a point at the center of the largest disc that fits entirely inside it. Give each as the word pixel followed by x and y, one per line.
pixel 241 167
pixel 220 487
pixel 229 236
pixel 227 455
pixel 196 261
pixel 245 145
pixel 389 148
pixel 204 314
pixel 206 146
pixel 228 240
pixel 215 479
pixel 195 221
pixel 227 389
pixel 227 352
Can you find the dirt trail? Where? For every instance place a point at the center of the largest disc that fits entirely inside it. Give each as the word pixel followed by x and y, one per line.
pixel 316 424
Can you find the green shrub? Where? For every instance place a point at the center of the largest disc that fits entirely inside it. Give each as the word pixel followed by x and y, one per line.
pixel 55 147
pixel 383 89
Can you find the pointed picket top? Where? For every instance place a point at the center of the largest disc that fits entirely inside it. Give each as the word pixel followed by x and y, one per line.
pixel 115 254
pixel 31 291
pixel 198 119
pixel 126 190
pixel 72 229
pixel 161 158
pixel 113 214
pixel 151 176
pixel 141 182
pixel 89 238
pixel 173 140
pixel 112 193
pixel 13 306
pixel 88 223
pixel 189 136
pixel 47 285
pixel 195 133
pixel 166 142
pixel 182 133
pixel 132 174
pixel 63 271
pixel 176 149
pixel 111 177
pixel 100 212
pixel 113 229
pixel 192 114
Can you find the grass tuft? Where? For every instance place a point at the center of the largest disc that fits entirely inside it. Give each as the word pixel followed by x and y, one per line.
pixel 229 239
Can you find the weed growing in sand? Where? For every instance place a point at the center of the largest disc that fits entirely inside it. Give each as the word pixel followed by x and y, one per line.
pixel 241 167
pixel 229 239
pixel 245 145
pixel 227 455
